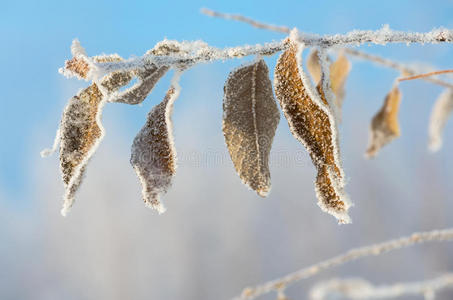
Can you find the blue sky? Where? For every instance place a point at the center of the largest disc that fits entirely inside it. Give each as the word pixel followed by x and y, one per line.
pixel 36 36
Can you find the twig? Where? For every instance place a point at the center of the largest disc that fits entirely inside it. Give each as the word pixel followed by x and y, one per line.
pixel 403 68
pixel 362 289
pixel 425 76
pixel 351 255
pixel 240 18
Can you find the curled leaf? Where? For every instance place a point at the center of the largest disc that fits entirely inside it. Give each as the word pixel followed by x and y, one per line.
pixel 147 79
pixel 384 125
pixel 312 123
pixel 80 133
pixel 153 155
pixel 250 118
pixel 440 114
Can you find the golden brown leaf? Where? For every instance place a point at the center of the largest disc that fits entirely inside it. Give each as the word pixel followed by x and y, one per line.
pixel 80 133
pixel 384 125
pixel 250 118
pixel 153 155
pixel 312 123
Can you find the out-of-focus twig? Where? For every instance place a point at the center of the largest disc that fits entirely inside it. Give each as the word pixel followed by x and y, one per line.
pixel 240 18
pixel 357 288
pixel 351 255
pixel 426 75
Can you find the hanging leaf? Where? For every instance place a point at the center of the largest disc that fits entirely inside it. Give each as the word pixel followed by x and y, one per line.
pixel 80 133
pixel 312 123
pixel 384 125
pixel 250 118
pixel 339 71
pixel 147 79
pixel 439 116
pixel 153 155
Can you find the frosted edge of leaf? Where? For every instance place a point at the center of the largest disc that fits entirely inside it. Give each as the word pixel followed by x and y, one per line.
pixel 77 176
pixel 440 113
pixel 327 86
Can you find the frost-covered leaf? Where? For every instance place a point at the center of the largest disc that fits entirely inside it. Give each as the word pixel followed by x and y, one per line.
pixel 440 114
pixel 312 123
pixel 153 155
pixel 384 125
pixel 80 133
pixel 250 118
pixel 147 79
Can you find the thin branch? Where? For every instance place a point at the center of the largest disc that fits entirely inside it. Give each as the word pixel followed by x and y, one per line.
pixel 404 68
pixel 355 38
pixel 351 255
pixel 353 288
pixel 426 75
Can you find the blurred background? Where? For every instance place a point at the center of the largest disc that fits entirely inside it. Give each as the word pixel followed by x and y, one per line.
pixel 217 236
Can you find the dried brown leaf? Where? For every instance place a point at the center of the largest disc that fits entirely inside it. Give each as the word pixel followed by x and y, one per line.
pixel 80 133
pixel 312 123
pixel 153 155
pixel 78 66
pixel 440 114
pixel 250 118
pixel 384 125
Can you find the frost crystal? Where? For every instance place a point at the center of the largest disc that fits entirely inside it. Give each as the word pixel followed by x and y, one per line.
pixel 250 119
pixel 439 116
pixel 312 123
pixel 153 155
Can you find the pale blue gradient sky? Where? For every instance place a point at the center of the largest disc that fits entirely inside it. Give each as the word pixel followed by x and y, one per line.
pixel 36 36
